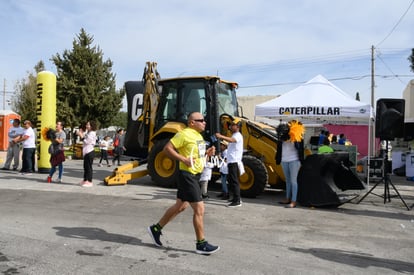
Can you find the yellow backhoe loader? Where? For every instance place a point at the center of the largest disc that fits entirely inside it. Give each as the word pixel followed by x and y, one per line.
pixel 158 109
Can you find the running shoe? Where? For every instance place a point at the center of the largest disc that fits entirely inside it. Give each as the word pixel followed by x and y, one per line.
pixel 155 234
pixel 205 248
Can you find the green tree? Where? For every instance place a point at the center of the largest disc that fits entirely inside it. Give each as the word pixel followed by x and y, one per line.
pixel 24 103
pixel 120 120
pixel 86 84
pixel 357 96
pixel 411 59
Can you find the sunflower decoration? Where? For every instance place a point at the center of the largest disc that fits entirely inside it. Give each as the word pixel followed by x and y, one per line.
pixel 296 131
pixel 48 133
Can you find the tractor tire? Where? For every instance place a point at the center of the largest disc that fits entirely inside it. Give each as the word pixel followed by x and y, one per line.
pixel 253 181
pixel 162 169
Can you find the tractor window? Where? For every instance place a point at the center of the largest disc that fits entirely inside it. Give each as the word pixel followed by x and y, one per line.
pixel 227 100
pixel 167 109
pixel 193 99
pixel 170 106
pixel 180 99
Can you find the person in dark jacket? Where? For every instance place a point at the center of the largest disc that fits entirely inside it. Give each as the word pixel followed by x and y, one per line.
pixel 119 147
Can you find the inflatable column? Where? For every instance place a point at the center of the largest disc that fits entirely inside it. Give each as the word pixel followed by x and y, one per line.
pixel 46 116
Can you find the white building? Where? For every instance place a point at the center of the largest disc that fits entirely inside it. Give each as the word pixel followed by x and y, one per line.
pixel 408 96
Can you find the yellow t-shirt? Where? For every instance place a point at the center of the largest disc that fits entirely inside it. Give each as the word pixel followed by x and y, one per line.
pixel 190 143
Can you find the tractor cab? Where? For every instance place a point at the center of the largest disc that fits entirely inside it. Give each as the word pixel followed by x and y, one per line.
pixel 208 95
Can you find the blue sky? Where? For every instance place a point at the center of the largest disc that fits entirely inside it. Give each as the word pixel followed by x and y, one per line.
pixel 268 47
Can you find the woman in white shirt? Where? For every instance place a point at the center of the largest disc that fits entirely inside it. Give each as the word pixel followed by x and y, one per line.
pixel 88 134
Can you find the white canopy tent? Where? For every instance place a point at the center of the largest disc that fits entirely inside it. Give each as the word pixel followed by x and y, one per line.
pixel 319 101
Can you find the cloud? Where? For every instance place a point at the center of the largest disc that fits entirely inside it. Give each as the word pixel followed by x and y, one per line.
pixel 252 42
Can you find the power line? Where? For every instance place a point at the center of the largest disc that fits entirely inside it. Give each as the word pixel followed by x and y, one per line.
pixel 399 21
pixel 330 79
pixel 332 58
pixel 385 64
pixel 341 58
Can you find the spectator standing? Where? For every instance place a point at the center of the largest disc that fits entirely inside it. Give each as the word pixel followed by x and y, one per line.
pixel 234 161
pixel 58 153
pixel 342 139
pixel 13 149
pixel 224 195
pixel 119 147
pixel 290 154
pixel 88 134
pixel 103 145
pixel 322 136
pixel 28 140
pixel 205 177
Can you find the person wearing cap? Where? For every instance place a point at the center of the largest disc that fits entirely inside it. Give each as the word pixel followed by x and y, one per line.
pixel 13 150
pixel 234 161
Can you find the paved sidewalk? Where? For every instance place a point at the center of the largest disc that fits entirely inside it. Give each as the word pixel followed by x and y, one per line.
pixel 73 175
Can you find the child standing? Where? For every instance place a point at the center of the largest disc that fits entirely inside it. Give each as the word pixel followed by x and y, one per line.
pixel 104 144
pixel 205 177
pixel 224 195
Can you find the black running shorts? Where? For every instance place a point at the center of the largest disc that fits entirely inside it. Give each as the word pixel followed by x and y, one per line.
pixel 188 188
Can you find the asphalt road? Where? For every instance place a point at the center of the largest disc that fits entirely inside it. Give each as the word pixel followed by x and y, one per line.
pixel 66 229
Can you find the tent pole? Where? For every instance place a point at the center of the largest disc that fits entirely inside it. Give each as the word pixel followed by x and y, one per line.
pixel 371 130
pixel 373 94
pixel 369 149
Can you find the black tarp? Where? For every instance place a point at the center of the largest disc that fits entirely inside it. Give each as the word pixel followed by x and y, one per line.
pixel 323 177
pixel 135 98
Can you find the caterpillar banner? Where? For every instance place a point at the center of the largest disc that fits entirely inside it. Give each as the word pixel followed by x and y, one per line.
pixel 46 116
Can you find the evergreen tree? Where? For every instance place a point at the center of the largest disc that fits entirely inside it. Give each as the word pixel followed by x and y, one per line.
pixel 121 120
pixel 411 59
pixel 86 84
pixel 26 93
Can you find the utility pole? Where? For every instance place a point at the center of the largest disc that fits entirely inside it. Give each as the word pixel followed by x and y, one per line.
pixel 372 77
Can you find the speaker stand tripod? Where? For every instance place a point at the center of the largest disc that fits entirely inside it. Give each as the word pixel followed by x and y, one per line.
pixel 386 179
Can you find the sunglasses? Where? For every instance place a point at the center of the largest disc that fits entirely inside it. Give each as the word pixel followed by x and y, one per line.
pixel 199 120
